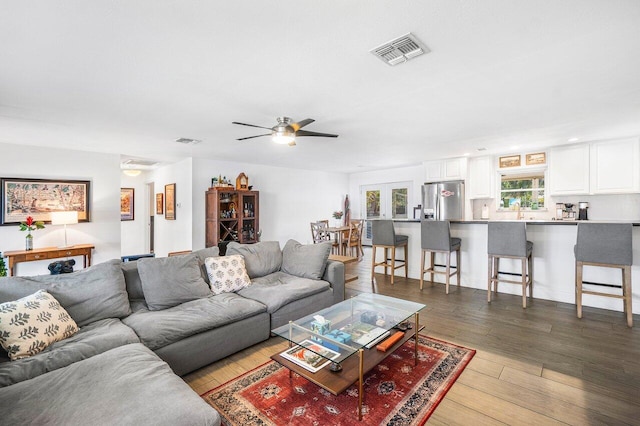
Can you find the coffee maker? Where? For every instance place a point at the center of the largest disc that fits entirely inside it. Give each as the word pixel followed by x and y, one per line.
pixel 582 210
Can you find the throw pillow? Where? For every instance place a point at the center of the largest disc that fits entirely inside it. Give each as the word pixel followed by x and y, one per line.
pixel 171 281
pixel 261 259
pixel 227 274
pixel 202 255
pixel 305 261
pixel 29 325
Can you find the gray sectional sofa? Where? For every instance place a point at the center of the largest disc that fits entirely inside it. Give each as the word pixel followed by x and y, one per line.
pixel 142 324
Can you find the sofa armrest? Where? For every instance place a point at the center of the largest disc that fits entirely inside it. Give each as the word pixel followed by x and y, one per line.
pixel 334 274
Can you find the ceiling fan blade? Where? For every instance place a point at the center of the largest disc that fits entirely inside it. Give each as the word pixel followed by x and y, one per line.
pixel 292 143
pixel 307 133
pixel 250 125
pixel 300 124
pixel 251 137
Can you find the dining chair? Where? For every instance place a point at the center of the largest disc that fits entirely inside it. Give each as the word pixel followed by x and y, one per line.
pixel 354 241
pixel 320 234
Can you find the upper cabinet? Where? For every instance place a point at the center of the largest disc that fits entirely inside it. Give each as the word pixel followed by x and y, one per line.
pixel 569 170
pixel 615 166
pixel 481 174
pixel 607 167
pixel 450 169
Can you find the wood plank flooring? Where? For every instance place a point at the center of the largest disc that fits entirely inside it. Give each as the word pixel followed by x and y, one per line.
pixel 536 366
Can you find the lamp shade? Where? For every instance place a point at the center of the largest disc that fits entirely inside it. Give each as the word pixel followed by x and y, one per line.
pixel 64 218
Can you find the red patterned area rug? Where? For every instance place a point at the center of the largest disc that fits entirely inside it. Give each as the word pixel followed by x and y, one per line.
pixel 396 392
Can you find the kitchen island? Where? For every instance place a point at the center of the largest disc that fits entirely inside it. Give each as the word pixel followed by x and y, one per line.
pixel 553 261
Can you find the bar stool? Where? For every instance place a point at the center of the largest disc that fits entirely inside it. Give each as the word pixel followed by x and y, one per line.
pixel 384 236
pixel 509 240
pixel 436 238
pixel 607 245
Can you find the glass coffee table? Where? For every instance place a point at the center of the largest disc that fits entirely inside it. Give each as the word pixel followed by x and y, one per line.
pixel 335 347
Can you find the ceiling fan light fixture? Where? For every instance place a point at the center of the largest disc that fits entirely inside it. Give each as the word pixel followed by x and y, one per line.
pixel 283 137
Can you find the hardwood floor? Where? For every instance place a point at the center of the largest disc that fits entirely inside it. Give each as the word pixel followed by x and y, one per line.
pixel 536 366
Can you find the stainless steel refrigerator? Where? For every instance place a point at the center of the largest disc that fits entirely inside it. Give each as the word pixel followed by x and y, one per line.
pixel 443 200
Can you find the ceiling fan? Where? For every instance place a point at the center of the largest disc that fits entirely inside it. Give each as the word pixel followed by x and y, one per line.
pixel 285 131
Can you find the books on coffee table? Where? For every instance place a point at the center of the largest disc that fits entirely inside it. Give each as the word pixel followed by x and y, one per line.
pixel 366 334
pixel 307 355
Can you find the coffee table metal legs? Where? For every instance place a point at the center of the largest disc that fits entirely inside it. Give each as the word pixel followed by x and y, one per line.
pixel 415 346
pixel 360 383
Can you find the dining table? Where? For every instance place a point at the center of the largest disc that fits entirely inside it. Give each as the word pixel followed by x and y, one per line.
pixel 339 236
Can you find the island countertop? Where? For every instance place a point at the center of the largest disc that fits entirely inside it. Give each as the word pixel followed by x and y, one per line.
pixel 528 221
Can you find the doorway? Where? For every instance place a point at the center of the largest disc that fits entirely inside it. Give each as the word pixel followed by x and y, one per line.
pixel 383 201
pixel 150 213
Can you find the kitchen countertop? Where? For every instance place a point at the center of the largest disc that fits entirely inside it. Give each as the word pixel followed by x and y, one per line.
pixel 530 221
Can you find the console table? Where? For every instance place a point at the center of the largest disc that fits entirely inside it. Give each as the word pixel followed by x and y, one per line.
pixel 18 256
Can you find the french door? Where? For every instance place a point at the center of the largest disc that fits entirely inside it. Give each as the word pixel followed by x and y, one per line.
pixel 383 201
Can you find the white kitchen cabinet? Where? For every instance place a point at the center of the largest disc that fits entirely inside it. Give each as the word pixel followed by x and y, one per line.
pixel 450 169
pixel 569 170
pixel 481 177
pixel 615 166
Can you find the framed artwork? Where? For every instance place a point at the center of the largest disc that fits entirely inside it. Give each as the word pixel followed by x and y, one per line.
pixel 127 199
pixel 159 203
pixel 510 161
pixel 537 158
pixel 170 201
pixel 38 198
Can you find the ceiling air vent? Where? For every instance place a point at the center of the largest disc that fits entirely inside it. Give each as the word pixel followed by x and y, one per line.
pixel 188 141
pixel 139 163
pixel 400 49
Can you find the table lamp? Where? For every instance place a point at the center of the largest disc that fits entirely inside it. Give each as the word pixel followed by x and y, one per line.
pixel 64 218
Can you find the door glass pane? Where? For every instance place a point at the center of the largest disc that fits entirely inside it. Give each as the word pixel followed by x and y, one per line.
pixel 373 204
pixel 399 203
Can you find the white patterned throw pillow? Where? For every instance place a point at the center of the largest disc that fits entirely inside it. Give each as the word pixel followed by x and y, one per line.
pixel 227 273
pixel 29 325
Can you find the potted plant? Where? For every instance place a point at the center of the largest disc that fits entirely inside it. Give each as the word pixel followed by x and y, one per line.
pixel 337 215
pixel 30 225
pixel 3 267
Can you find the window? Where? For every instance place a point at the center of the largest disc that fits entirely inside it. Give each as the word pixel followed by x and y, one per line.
pixel 525 190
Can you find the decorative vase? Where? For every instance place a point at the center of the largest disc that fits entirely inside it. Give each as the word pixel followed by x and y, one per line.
pixel 29 242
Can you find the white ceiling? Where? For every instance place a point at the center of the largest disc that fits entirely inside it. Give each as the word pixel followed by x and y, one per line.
pixel 130 77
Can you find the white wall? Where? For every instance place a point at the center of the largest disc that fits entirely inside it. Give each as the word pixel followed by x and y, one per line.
pixel 175 235
pixel 103 170
pixel 133 233
pixel 289 198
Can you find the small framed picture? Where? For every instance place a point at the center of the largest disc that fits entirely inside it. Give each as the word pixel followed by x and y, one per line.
pixel 510 161
pixel 127 200
pixel 170 201
pixel 537 158
pixel 160 203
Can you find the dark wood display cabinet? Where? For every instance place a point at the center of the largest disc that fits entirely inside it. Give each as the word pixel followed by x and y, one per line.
pixel 231 215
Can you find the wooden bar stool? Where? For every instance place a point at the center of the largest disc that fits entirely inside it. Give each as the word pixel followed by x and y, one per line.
pixel 436 238
pixel 509 240
pixel 384 236
pixel 607 245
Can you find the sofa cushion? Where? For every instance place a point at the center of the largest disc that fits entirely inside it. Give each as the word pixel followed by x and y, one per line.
pixel 30 324
pixel 170 281
pixel 160 328
pixel 227 274
pixel 95 338
pixel 306 261
pixel 261 258
pixel 128 385
pixel 278 289
pixel 88 295
pixel 132 280
pixel 202 255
